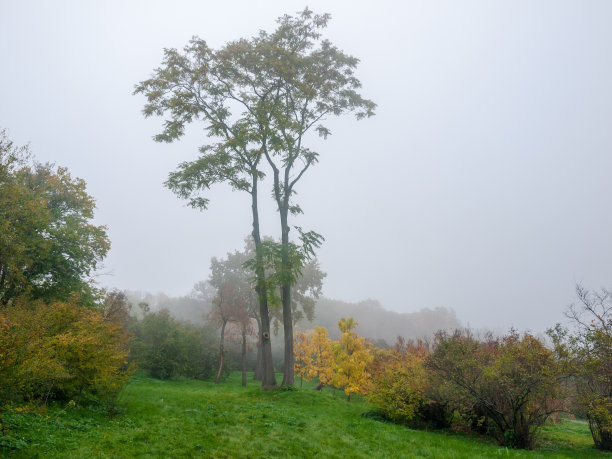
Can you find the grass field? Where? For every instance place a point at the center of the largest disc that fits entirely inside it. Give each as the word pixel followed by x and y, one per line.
pixel 200 419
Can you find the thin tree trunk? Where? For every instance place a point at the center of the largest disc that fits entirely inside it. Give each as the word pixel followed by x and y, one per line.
pixel 244 348
pixel 268 380
pixel 221 352
pixel 258 362
pixel 282 199
pixel 288 373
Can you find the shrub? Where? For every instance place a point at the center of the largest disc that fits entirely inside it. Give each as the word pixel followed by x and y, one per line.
pixel 398 384
pixel 586 352
pixel 400 387
pixel 508 385
pixel 60 350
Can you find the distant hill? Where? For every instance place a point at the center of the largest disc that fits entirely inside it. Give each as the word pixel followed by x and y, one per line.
pixel 376 322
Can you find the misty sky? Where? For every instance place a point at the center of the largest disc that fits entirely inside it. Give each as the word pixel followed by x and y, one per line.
pixel 483 184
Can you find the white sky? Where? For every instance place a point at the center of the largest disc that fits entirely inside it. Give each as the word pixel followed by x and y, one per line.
pixel 483 183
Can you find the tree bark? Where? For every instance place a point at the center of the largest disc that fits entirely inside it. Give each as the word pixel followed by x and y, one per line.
pixel 221 351
pixel 282 199
pixel 258 362
pixel 268 379
pixel 288 373
pixel 244 349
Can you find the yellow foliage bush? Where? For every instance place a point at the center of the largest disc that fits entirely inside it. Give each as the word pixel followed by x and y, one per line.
pixel 352 355
pixel 399 382
pixel 60 350
pixel 314 357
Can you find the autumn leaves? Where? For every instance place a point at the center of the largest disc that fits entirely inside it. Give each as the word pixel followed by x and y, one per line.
pixel 341 363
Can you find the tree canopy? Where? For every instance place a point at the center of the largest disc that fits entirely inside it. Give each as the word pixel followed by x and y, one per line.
pixel 48 243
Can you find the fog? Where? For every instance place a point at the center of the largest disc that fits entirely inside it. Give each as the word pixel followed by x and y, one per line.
pixel 482 185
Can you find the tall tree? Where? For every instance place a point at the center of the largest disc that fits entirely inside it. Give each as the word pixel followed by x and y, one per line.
pixel 316 81
pixel 201 83
pixel 283 89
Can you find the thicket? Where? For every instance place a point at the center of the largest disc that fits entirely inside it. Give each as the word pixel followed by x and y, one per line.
pixel 505 387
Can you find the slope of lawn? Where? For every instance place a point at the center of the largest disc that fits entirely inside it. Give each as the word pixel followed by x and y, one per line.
pixel 185 418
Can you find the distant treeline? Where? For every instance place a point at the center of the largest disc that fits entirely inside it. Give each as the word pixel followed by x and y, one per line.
pixel 375 322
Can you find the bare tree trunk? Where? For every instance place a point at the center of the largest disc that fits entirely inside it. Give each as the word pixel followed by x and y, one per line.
pixel 281 194
pixel 288 373
pixel 258 362
pixel 221 352
pixel 244 349
pixel 268 379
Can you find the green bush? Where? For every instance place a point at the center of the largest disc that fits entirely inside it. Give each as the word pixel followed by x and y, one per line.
pixel 165 347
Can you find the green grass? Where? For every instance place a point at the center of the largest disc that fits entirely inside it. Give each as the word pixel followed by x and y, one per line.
pixel 199 419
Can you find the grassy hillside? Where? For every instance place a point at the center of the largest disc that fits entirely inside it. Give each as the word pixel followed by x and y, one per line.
pixel 199 419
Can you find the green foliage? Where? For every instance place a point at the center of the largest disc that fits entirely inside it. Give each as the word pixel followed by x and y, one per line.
pixel 48 245
pixel 305 274
pixel 278 273
pixel 165 347
pixel 511 383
